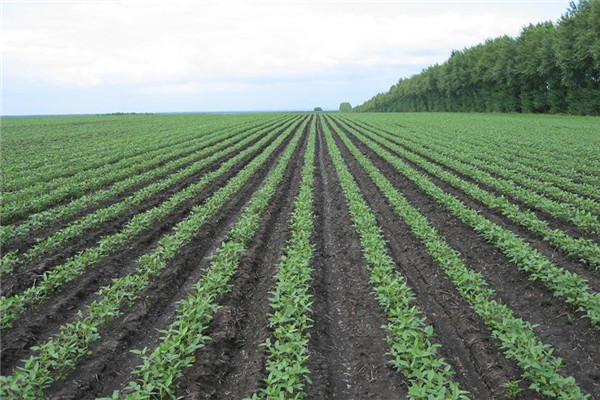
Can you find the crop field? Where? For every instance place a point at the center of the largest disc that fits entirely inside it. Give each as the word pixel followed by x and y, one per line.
pixel 300 255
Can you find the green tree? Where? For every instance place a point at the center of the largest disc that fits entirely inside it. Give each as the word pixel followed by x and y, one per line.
pixel 345 107
pixel 549 68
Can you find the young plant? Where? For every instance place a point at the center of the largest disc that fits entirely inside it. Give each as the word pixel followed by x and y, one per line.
pixel 516 336
pixel 410 338
pixel 289 321
pixel 160 369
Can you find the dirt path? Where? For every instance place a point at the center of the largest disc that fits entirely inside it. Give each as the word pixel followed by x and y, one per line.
pixel 347 346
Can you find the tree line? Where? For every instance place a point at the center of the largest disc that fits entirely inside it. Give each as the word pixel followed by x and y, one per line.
pixel 549 68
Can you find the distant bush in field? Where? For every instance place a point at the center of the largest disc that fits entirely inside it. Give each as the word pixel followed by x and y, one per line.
pixel 345 107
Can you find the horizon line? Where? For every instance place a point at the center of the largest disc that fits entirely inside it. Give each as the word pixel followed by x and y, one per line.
pixel 156 112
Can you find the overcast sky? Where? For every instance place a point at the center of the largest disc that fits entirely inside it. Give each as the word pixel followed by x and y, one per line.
pixel 64 57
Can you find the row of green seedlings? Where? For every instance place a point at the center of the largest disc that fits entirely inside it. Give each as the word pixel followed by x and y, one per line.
pixel 289 320
pixel 159 370
pixel 187 137
pixel 96 154
pixel 580 218
pixel 12 260
pixel 518 162
pixel 516 336
pixel 51 281
pixel 57 356
pixel 78 228
pixel 545 183
pixel 503 169
pixel 543 154
pixel 574 166
pixel 413 352
pixel 562 158
pixel 111 171
pixel 506 170
pixel 571 169
pixel 45 218
pixel 127 139
pixel 176 136
pixel 23 203
pixel 587 251
pixel 57 214
pixel 548 146
pixel 569 286
pixel 581 189
pixel 46 193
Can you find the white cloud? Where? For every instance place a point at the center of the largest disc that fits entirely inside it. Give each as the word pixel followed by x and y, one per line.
pixel 187 47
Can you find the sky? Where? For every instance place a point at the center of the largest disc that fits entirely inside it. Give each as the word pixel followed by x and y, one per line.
pixel 76 57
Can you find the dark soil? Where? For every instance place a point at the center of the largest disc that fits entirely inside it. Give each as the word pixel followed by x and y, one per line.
pixel 43 319
pixel 562 259
pixel 466 343
pixel 110 366
pixel 26 274
pixel 232 364
pixel 553 222
pixel 572 336
pixel 347 347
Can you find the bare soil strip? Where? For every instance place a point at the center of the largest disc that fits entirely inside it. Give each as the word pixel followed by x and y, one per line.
pixel 562 259
pixel 231 365
pixel 347 346
pixel 553 222
pixel 467 346
pixel 574 338
pixel 42 320
pixel 110 366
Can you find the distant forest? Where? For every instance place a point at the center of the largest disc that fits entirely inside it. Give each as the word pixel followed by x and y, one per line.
pixel 549 68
